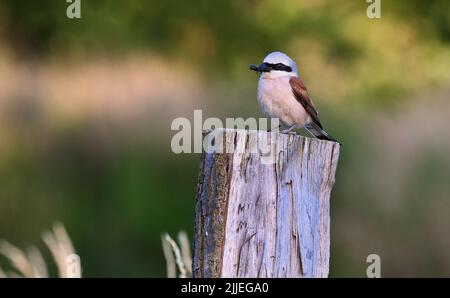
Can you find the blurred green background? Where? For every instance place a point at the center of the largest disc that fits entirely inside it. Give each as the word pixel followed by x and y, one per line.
pixel 86 106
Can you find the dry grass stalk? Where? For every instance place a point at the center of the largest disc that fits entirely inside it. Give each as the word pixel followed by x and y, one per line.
pixel 176 257
pixel 170 259
pixel 185 251
pixel 32 264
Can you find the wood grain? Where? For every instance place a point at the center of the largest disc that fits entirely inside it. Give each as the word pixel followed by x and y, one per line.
pixel 260 214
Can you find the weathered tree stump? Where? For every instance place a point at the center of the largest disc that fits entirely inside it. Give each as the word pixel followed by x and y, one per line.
pixel 262 217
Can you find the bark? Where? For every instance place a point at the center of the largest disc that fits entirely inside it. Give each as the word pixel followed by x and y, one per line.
pixel 261 212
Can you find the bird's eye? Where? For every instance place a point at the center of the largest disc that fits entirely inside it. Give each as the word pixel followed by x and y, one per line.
pixel 279 66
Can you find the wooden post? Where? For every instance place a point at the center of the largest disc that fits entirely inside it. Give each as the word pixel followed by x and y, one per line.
pixel 262 217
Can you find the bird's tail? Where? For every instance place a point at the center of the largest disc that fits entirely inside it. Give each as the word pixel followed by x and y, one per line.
pixel 319 133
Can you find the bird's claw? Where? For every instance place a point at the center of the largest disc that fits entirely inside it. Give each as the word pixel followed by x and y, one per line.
pixel 289 130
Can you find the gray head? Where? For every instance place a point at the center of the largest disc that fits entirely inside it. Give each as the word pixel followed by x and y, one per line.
pixel 276 64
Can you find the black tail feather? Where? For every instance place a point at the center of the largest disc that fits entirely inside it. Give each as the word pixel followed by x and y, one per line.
pixel 319 133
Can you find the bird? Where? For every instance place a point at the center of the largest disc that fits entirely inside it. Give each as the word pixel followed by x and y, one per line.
pixel 283 95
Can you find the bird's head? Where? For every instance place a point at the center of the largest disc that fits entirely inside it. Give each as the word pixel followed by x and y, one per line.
pixel 276 64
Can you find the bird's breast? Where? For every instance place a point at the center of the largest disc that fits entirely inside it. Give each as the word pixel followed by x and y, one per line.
pixel 277 100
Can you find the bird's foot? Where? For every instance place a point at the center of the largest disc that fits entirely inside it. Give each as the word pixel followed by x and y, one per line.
pixel 289 130
pixel 292 133
pixel 273 129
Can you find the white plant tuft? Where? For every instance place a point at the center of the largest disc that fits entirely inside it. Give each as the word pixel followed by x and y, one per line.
pixel 177 257
pixel 32 264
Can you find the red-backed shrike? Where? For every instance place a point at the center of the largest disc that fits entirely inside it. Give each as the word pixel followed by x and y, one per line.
pixel 283 95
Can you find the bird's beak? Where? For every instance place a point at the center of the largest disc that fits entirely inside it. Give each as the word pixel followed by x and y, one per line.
pixel 262 68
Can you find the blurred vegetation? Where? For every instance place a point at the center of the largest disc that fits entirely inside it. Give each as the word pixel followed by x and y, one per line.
pixel 86 107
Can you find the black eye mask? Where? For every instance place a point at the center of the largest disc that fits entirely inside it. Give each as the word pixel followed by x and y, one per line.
pixel 267 67
pixel 279 66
